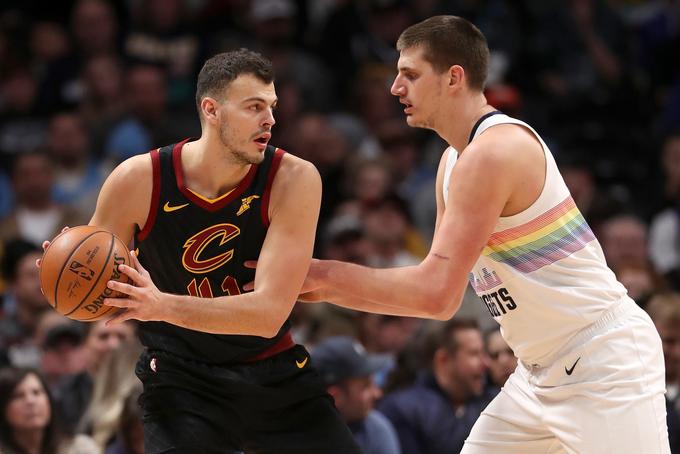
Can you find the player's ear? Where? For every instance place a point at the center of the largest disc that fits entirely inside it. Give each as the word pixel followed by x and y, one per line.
pixel 209 108
pixel 455 76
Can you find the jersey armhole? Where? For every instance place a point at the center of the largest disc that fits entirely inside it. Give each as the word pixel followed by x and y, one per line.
pixel 155 195
pixel 264 207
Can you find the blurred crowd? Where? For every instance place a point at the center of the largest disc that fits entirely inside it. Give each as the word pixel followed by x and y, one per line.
pixel 85 84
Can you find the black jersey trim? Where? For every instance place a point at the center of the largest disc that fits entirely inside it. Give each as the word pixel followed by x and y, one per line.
pixel 479 122
pixel 155 194
pixel 264 207
pixel 203 203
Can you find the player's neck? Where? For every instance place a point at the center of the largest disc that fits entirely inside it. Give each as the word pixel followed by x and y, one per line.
pixel 460 117
pixel 206 172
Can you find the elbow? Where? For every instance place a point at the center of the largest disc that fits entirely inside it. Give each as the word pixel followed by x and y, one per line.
pixel 271 323
pixel 441 302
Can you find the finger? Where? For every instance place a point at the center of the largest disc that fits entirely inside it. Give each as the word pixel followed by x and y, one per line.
pixel 138 266
pixel 250 264
pixel 249 286
pixel 132 273
pixel 66 227
pixel 122 287
pixel 45 245
pixel 120 302
pixel 38 262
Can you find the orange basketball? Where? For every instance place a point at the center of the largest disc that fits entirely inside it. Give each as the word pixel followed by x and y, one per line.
pixel 75 269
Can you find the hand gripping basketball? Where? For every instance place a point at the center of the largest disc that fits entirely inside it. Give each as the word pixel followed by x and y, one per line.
pixel 75 268
pixel 141 301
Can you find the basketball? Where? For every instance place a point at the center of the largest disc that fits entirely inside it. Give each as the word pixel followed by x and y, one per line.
pixel 76 268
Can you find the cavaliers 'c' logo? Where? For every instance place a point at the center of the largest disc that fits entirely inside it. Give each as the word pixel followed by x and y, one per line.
pixel 194 246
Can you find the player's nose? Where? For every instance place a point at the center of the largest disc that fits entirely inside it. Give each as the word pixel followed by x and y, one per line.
pixel 269 119
pixel 397 89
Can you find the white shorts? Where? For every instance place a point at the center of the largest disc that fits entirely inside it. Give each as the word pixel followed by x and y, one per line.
pixel 612 401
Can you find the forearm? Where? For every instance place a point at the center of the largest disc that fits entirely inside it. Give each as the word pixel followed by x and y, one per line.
pixel 411 291
pixel 247 314
pixel 364 305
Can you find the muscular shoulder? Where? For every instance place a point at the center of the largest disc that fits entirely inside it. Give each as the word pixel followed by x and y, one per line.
pixel 512 157
pixel 296 167
pixel 296 179
pixel 135 169
pixel 509 145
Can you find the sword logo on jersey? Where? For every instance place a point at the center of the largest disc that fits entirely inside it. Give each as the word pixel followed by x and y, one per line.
pixel 245 204
pixel 215 236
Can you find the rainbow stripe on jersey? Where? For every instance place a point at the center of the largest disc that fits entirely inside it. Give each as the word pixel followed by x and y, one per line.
pixel 554 235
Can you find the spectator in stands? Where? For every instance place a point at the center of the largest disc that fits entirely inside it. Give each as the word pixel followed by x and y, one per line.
pixel 664 309
pixel 162 34
pixel 36 215
pixel 95 27
pixel 347 370
pixel 78 173
pixel 26 304
pixel 148 122
pixel 23 126
pixel 502 360
pixel 114 382
pixel 624 240
pixel 27 421
pixel 63 351
pixel 73 395
pixel 664 232
pixel 435 415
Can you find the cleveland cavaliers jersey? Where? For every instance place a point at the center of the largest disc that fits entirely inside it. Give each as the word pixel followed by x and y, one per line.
pixel 542 274
pixel 194 246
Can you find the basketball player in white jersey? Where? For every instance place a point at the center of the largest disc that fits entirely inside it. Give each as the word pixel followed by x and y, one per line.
pixel 590 376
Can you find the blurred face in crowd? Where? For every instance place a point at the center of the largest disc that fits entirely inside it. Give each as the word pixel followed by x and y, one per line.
pixel 164 14
pixel 670 338
pixel 103 78
pixel 102 339
pixel 49 40
pixel 461 372
pixel 33 178
pixel 68 140
pixel 317 141
pixel 94 27
pixel 147 91
pixel 502 361
pixel 624 240
pixel 372 182
pixel 419 88
pixel 245 118
pixel 27 284
pixel 29 407
pixel 20 91
pixel 671 164
pixel 355 397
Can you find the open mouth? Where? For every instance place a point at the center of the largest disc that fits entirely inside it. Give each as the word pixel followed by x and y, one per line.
pixel 262 140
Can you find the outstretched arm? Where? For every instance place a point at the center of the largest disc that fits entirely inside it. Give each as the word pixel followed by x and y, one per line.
pixel 282 266
pixel 484 181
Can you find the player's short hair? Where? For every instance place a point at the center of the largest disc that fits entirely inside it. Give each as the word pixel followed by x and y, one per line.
pixel 222 69
pixel 448 41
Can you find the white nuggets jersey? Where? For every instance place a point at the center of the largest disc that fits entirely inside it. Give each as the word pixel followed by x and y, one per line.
pixel 542 273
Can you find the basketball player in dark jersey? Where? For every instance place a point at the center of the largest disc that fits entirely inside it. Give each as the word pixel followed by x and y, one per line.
pixel 220 371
